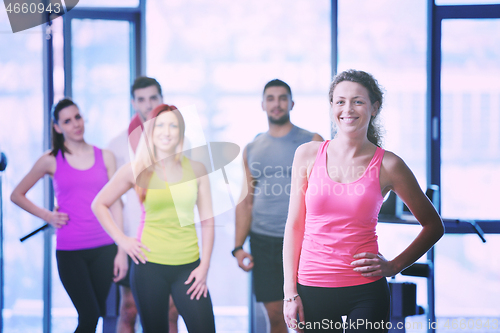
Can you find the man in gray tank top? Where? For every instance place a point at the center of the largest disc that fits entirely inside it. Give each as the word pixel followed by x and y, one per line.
pixel 263 212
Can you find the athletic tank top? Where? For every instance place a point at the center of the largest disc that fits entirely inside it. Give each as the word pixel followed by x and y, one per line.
pixel 75 190
pixel 270 163
pixel 167 223
pixel 340 222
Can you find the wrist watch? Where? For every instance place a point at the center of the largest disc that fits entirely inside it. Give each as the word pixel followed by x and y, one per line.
pixel 236 249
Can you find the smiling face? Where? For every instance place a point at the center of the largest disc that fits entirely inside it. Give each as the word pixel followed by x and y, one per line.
pixel 166 132
pixel 70 124
pixel 351 107
pixel 277 103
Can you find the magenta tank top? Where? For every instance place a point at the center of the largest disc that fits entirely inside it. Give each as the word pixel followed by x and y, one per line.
pixel 340 222
pixel 75 190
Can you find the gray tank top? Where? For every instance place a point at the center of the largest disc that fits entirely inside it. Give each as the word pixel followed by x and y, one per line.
pixel 270 162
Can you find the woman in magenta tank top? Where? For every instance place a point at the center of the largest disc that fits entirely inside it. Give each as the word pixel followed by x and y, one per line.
pixel 86 256
pixel 332 264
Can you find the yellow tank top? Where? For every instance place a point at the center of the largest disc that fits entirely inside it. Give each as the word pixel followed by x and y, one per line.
pixel 167 227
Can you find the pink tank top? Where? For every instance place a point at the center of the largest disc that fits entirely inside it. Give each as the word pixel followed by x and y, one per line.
pixel 340 222
pixel 75 189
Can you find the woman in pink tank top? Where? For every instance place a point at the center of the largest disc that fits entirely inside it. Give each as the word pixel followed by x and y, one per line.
pixel 332 265
pixel 87 257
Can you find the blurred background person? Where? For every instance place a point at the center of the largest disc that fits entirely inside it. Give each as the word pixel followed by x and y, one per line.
pixel 262 213
pixel 171 263
pixel 87 258
pixel 146 95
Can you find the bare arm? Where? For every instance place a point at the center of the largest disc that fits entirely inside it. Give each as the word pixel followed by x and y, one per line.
pixel 401 180
pixel 45 165
pixel 243 216
pixel 294 229
pixel 303 162
pixel 204 203
pixel 116 209
pixel 120 183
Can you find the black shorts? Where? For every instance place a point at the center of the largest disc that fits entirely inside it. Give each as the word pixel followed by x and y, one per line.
pixel 267 272
pixel 367 307
pixel 125 282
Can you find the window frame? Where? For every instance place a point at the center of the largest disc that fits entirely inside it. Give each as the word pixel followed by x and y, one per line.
pixel 435 16
pixel 136 17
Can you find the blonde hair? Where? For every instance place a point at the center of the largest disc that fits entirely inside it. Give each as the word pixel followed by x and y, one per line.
pixel 145 158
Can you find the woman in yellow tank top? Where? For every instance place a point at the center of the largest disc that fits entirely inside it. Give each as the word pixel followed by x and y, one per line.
pixel 166 254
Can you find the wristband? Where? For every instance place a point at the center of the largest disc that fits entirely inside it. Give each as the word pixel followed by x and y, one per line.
pixel 236 249
pixel 291 298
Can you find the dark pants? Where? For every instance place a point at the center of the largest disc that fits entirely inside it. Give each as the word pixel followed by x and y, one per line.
pixel 152 285
pixel 267 272
pixel 87 275
pixel 366 306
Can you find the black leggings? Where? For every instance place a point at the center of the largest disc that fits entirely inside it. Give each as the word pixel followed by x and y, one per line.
pixel 152 285
pixel 87 275
pixel 366 306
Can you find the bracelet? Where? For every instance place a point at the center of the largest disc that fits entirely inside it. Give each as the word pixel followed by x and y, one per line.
pixel 291 298
pixel 236 249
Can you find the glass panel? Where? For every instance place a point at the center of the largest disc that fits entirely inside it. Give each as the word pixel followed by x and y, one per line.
pixel 471 121
pixel 21 134
pixel 101 77
pixel 467 272
pixel 397 59
pixel 221 66
pixel 393 239
pixel 470 109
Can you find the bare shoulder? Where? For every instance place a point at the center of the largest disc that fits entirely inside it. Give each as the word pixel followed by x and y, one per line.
pixel 108 155
pixel 198 168
pixel 125 173
pixel 47 156
pixel 44 165
pixel 392 163
pixel 394 172
pixel 47 161
pixel 127 168
pixel 304 158
pixel 308 150
pixel 244 153
pixel 109 161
